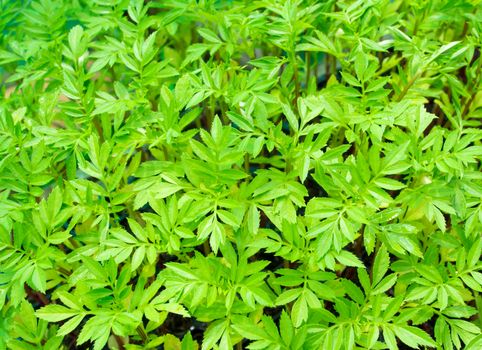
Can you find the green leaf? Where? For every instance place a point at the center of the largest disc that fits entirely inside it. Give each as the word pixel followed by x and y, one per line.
pixel 286 328
pixel 213 334
pixel 413 337
pixel 473 256
pixel 349 259
pixel 187 342
pixel 54 313
pixel 288 296
pixel 209 35
pixel 389 184
pixel 299 312
pixel 389 338
pixel 385 284
pixel 380 265
pixel 70 325
pixel 290 116
pixel 253 219
pixel 165 189
pixel 39 279
pixel 138 257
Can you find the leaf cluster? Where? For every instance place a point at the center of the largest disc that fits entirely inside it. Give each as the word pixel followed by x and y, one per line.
pixel 272 174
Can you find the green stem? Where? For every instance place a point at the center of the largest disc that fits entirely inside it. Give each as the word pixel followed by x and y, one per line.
pixel 333 65
pixel 308 69
pixel 295 77
pixel 212 106
pixel 224 110
pixel 471 99
pixel 206 248
pixel 165 152
pixel 408 86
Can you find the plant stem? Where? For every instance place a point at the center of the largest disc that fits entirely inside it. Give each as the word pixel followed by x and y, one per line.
pixel 206 248
pixel 119 341
pixel 308 69
pixel 295 77
pixel 212 106
pixel 471 99
pixel 246 163
pixel 333 65
pixel 142 334
pixel 408 86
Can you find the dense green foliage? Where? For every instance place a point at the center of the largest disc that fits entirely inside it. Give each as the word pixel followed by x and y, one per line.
pixel 274 174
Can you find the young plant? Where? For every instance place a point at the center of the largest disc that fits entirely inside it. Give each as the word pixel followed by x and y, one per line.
pixel 277 174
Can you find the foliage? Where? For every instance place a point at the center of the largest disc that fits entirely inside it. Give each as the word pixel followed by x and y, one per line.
pixel 273 174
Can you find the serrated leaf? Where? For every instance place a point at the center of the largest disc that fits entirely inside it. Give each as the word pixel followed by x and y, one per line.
pixel 54 313
pixel 380 264
pixel 413 337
